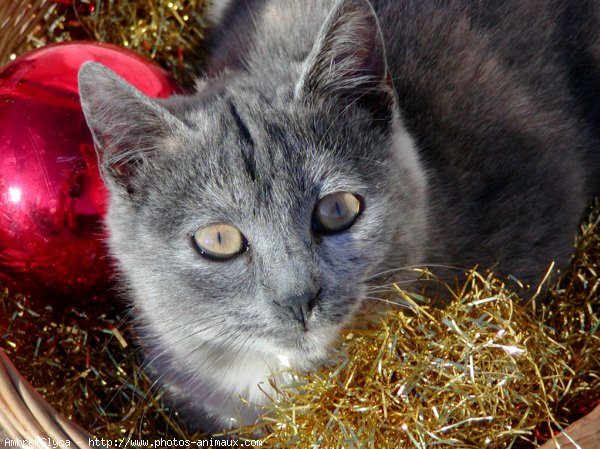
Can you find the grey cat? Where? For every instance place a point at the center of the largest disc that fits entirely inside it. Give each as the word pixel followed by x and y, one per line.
pixel 332 142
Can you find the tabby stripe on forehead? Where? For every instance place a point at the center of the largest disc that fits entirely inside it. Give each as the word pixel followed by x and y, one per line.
pixel 247 150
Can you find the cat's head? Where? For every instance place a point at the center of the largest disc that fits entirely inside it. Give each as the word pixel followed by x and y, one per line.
pixel 249 216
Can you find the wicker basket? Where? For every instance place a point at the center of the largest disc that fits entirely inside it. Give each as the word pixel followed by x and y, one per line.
pixel 28 420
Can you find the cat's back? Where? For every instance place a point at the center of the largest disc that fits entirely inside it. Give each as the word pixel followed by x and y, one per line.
pixel 462 66
pixel 503 107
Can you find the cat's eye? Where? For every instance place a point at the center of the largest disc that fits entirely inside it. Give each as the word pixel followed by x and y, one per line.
pixel 336 212
pixel 219 241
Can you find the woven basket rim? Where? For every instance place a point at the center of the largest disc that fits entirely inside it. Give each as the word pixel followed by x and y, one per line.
pixel 29 420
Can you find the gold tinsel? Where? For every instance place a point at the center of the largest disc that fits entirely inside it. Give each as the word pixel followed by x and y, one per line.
pixel 168 31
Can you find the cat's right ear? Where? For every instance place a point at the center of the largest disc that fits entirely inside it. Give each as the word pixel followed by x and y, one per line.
pixel 348 60
pixel 128 128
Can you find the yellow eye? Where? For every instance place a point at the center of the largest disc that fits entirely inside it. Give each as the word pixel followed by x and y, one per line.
pixel 219 241
pixel 336 212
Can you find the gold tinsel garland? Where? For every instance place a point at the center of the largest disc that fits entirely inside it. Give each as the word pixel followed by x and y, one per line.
pixel 168 31
pixel 482 372
pixel 479 373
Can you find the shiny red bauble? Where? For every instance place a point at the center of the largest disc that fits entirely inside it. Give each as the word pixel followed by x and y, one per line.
pixel 52 199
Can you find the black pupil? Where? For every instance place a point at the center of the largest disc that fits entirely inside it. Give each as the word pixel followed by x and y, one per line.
pixel 335 213
pixel 338 209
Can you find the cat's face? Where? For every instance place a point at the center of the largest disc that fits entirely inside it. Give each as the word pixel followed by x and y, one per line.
pixel 249 217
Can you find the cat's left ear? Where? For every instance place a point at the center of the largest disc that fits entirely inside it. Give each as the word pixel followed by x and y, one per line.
pixel 128 127
pixel 348 60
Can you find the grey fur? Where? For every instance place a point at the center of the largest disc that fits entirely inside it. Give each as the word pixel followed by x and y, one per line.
pixel 474 142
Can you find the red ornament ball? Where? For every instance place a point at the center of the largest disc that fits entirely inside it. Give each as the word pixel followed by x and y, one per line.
pixel 52 199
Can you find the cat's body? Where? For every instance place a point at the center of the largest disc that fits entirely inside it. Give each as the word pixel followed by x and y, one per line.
pixel 474 142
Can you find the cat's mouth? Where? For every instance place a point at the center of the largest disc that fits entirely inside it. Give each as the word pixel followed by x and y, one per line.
pixel 315 338
pixel 306 347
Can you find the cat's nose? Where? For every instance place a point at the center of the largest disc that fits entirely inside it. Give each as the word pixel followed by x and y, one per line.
pixel 300 306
